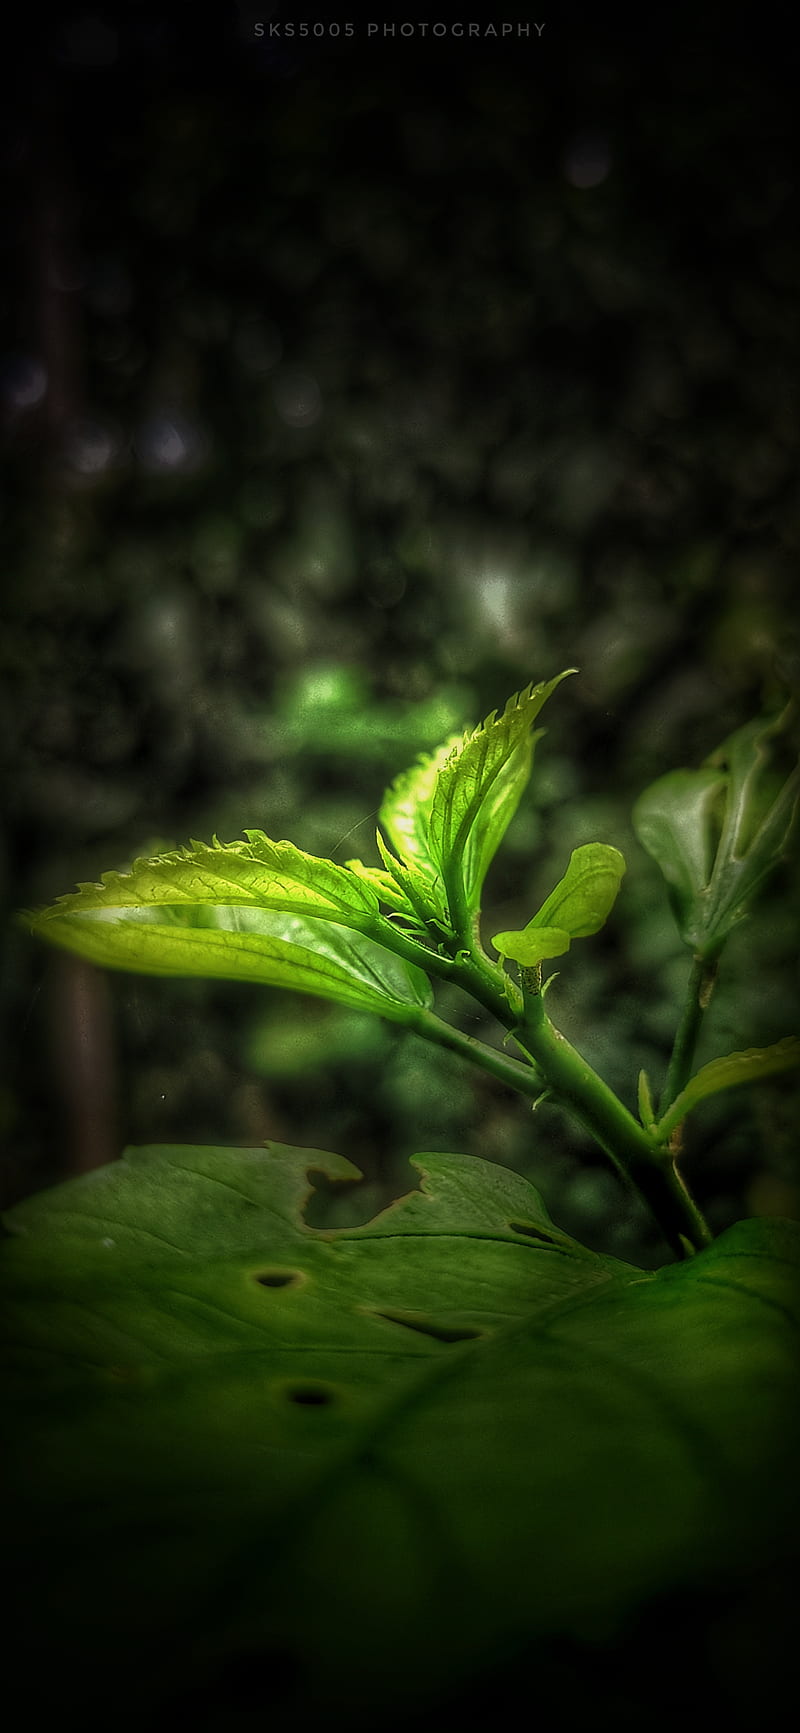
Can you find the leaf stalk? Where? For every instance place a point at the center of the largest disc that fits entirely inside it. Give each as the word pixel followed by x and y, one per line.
pixel 698 994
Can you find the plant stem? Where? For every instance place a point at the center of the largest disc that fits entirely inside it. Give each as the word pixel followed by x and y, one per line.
pixel 557 1066
pixel 645 1164
pixel 525 1078
pixel 698 993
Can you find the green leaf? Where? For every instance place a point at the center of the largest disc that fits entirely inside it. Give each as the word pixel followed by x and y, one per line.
pixel 584 898
pixel 718 833
pixel 420 898
pixel 746 1067
pixel 578 906
pixel 673 820
pixel 382 882
pixel 257 911
pixel 477 792
pixel 241 1447
pixel 406 806
pixel 532 945
pixel 647 1112
pixel 447 816
pixel 756 828
pixel 257 873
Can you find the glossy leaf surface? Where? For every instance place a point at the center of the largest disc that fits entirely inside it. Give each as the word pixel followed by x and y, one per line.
pixel 726 1073
pixel 446 817
pixel 578 906
pixel 257 911
pixel 531 945
pixel 718 833
pixel 242 1444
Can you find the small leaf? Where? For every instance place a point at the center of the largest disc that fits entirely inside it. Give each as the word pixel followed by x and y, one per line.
pixel 645 1099
pixel 746 1067
pixel 532 945
pixel 577 907
pixel 416 895
pixel 389 887
pixel 582 901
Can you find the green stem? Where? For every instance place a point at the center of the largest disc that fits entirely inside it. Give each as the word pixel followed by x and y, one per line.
pixel 526 1079
pixel 559 1068
pixel 698 993
pixel 645 1164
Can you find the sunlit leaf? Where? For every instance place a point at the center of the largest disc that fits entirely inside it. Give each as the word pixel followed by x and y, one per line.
pixel 405 810
pixel 746 1067
pixel 531 945
pixel 257 945
pixel 582 901
pixel 258 872
pixel 241 1448
pixel 388 886
pixel 477 792
pixel 446 816
pixel 256 911
pixel 578 906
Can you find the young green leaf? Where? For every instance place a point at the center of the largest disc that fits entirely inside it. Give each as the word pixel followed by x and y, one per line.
pixel 419 897
pixel 255 911
pixel 447 816
pixel 477 792
pixel 389 888
pixel 258 945
pixel 406 806
pixel 747 1067
pixel 756 829
pixel 578 906
pixel 673 820
pixel 718 833
pixel 531 945
pixel 582 901
pixel 647 1113
pixel 259 872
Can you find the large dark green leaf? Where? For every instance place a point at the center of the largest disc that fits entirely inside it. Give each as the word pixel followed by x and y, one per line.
pixel 356 1466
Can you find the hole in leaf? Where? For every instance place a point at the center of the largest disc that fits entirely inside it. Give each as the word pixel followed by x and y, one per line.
pixel 338 1203
pixel 280 1278
pixel 531 1233
pixel 310 1395
pixel 440 1332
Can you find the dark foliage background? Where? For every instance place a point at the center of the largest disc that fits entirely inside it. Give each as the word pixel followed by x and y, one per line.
pixel 347 385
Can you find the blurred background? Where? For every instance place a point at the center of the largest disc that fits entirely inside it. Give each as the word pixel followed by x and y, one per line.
pixel 348 383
